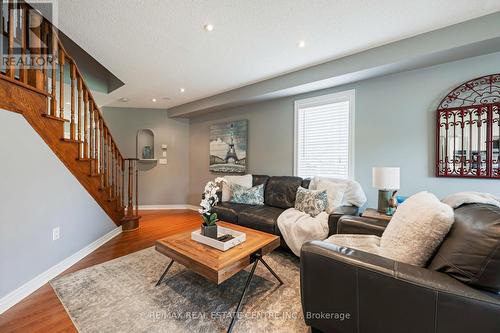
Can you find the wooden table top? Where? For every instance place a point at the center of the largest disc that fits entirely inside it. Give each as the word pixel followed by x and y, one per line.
pixel 374 214
pixel 211 263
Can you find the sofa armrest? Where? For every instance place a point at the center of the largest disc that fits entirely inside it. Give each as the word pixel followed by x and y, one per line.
pixel 337 214
pixel 348 224
pixel 345 290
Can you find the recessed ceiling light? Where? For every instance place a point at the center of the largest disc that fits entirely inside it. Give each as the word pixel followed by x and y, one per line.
pixel 124 99
pixel 302 44
pixel 209 27
pixel 154 99
pixel 68 103
pixel 182 90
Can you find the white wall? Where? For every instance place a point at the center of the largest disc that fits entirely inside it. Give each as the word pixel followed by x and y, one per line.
pixel 37 194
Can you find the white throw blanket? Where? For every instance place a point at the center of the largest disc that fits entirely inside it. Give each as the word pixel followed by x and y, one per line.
pixel 354 195
pixel 298 227
pixel 460 198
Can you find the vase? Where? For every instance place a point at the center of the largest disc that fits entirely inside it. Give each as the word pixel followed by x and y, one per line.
pixel 209 231
pixel 147 153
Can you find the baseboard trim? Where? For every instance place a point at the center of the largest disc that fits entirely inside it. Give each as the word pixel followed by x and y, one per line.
pixel 165 207
pixel 31 286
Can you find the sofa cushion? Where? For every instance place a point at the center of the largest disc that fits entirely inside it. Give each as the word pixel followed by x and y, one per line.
pixel 417 229
pixel 281 191
pixel 311 202
pixel 263 218
pixel 249 196
pixel 245 181
pixel 335 193
pixel 354 194
pixel 471 251
pixel 228 211
pixel 306 182
pixel 259 179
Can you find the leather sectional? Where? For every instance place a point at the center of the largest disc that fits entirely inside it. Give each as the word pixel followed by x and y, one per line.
pixel 458 292
pixel 279 195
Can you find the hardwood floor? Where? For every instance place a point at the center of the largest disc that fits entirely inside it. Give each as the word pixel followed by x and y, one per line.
pixel 43 312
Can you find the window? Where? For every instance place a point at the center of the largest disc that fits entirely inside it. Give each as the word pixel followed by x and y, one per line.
pixel 324 136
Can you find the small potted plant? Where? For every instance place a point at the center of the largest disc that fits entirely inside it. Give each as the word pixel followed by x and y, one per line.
pixel 210 198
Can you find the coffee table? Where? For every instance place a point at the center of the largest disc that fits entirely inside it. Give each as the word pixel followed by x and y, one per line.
pixel 218 266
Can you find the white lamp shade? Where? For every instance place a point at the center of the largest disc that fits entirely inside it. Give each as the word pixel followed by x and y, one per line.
pixel 385 178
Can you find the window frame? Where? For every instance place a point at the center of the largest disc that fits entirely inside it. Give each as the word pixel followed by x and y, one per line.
pixel 347 95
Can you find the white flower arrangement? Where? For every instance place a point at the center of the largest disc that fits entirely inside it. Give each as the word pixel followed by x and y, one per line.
pixel 209 200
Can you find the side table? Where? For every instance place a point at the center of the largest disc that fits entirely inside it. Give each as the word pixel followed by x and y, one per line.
pixel 375 214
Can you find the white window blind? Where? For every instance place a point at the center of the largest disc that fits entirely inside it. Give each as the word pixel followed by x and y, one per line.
pixel 323 144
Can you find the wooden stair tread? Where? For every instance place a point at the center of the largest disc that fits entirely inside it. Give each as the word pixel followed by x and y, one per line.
pixel 33 106
pixel 28 94
pixel 55 118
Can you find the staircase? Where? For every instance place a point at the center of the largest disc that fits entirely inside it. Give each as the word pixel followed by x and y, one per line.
pixel 41 81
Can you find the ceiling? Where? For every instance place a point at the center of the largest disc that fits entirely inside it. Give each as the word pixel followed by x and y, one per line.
pixel 157 47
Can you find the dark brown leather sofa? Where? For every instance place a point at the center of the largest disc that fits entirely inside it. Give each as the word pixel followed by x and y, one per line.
pixel 279 195
pixel 456 293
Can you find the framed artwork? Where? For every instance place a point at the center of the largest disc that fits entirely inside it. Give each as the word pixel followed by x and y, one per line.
pixel 228 147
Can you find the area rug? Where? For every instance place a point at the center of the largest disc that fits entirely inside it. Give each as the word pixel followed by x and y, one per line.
pixel 120 296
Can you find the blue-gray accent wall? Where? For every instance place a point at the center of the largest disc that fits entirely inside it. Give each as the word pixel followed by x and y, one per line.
pixel 394 126
pixel 37 194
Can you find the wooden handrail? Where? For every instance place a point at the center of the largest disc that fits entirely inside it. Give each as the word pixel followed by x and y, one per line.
pixel 95 142
pixel 60 53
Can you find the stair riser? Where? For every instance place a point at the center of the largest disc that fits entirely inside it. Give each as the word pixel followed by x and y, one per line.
pixel 32 106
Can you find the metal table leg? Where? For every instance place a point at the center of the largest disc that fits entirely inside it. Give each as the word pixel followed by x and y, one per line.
pixel 258 258
pixel 270 269
pixel 164 273
pixel 233 320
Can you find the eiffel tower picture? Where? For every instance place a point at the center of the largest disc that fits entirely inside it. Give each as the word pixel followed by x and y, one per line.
pixel 228 147
pixel 231 156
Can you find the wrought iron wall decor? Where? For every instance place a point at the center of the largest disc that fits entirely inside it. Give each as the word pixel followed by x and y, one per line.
pixel 468 130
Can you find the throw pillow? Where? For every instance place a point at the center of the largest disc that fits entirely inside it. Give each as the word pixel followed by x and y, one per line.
pixel 354 194
pixel 335 193
pixel 417 229
pixel 245 181
pixel 249 196
pixel 311 202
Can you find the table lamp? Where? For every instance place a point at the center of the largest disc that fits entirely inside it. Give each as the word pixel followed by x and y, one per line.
pixel 386 180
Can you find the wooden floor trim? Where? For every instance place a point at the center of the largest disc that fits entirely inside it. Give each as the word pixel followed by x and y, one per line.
pixel 43 312
pixel 168 207
pixel 34 284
